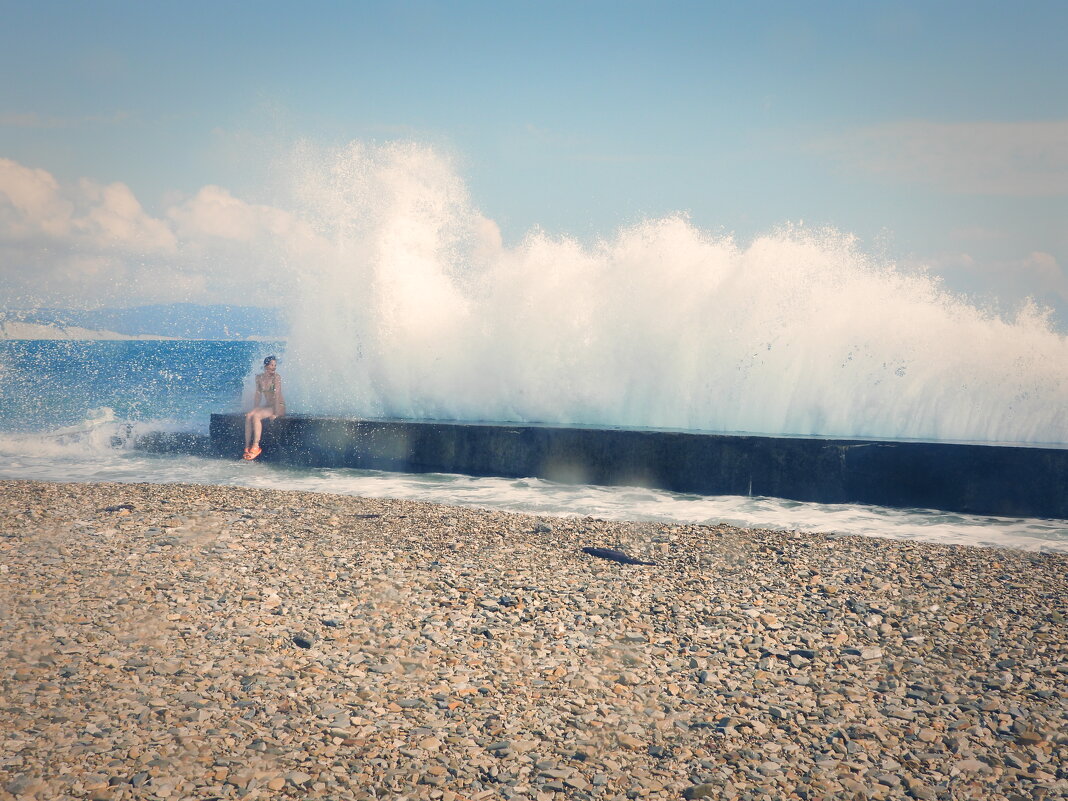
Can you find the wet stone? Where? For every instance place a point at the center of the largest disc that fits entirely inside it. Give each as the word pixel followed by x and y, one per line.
pixel 700 791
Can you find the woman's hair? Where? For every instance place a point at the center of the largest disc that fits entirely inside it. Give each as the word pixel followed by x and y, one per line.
pixel 268 360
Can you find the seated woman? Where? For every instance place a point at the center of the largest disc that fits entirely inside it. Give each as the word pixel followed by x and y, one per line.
pixel 267 404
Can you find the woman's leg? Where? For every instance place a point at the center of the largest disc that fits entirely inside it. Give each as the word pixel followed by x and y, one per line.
pixel 257 424
pixel 248 429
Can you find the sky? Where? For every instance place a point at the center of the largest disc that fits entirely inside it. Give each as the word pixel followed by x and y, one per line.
pixel 143 146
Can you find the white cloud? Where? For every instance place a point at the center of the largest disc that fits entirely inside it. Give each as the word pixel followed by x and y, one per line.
pixel 90 244
pixel 986 158
pixel 88 216
pixel 114 218
pixel 31 203
pixel 214 213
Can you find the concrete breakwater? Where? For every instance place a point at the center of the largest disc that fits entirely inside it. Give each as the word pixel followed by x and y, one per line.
pixel 976 479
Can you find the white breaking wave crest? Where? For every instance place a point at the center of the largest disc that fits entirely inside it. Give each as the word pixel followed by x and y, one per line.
pixel 98 434
pixel 406 303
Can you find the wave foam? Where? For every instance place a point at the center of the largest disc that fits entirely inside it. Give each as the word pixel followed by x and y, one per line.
pixel 406 303
pixel 99 433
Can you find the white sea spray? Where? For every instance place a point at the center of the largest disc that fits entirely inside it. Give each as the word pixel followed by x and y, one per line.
pixel 406 303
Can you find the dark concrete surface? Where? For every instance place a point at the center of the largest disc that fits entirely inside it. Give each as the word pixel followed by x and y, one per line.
pixel 1000 480
pixel 172 442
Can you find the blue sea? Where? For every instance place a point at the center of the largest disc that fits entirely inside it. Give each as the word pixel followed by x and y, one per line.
pixel 72 411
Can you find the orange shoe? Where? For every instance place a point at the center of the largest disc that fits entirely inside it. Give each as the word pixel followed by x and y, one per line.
pixel 252 453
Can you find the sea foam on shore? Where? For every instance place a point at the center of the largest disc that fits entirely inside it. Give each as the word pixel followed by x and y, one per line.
pixel 171 641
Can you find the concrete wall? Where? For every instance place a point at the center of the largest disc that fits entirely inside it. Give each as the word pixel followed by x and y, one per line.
pixel 978 479
pixel 172 442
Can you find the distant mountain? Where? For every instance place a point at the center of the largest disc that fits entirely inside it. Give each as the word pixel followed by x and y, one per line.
pixel 173 320
pixel 14 329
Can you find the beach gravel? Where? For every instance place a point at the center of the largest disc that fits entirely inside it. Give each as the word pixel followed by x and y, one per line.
pixel 201 642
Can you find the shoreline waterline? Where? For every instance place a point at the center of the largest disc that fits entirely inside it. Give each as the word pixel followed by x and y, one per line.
pixel 538 496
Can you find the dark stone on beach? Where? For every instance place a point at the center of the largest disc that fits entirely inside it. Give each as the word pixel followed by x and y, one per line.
pixel 699 791
pixel 1030 738
pixel 779 713
pixel 921 792
pixel 26 786
pixel 331 622
pixel 303 640
pixel 615 556
pixel 119 507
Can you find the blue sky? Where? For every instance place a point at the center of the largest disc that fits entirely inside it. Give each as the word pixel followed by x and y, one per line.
pixel 937 132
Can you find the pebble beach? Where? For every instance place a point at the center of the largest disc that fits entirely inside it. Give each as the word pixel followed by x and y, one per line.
pixel 211 642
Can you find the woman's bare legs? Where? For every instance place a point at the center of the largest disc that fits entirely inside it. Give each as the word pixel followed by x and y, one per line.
pixel 254 425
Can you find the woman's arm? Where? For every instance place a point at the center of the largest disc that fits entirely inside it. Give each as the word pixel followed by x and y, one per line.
pixel 279 401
